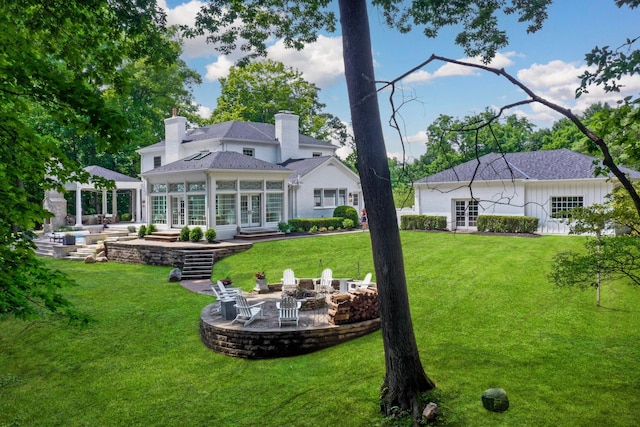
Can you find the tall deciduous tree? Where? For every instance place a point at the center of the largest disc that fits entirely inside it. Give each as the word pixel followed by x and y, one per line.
pixel 57 58
pixel 251 23
pixel 257 91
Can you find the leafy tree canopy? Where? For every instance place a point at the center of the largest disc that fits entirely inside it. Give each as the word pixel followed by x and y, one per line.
pixel 256 91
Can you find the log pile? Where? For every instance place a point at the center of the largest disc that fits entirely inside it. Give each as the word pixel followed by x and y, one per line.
pixel 356 306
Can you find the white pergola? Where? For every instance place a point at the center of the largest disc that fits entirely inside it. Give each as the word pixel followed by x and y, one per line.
pixel 122 182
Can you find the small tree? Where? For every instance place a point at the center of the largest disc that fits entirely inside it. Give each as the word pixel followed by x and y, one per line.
pixel 196 234
pixel 184 233
pixel 210 235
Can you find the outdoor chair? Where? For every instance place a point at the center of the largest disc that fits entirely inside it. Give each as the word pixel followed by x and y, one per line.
pixel 289 281
pixel 364 284
pixel 231 291
pixel 246 313
pixel 323 284
pixel 288 310
pixel 221 297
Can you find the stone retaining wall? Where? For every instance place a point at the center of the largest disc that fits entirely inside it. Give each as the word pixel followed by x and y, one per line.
pixel 161 255
pixel 238 341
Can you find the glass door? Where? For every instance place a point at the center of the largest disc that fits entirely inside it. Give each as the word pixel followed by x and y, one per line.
pixel 177 211
pixel 466 213
pixel 250 210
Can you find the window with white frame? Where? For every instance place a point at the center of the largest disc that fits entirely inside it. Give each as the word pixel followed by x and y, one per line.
pixel 466 213
pixel 562 205
pixel 196 206
pixel 354 199
pixel 159 209
pixel 225 209
pixel 249 152
pixel 329 197
pixel 157 161
pixel 275 207
pixel 316 154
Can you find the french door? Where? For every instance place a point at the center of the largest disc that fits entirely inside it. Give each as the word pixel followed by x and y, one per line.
pixel 466 213
pixel 250 210
pixel 177 212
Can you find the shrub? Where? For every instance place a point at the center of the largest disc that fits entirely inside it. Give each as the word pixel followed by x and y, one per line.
pixel 151 228
pixel 196 234
pixel 125 216
pixel 184 233
pixel 347 223
pixel 142 231
pixel 322 229
pixel 423 222
pixel 305 224
pixel 210 235
pixel 331 228
pixel 347 212
pixel 313 229
pixel 507 224
pixel 131 229
pixel 283 227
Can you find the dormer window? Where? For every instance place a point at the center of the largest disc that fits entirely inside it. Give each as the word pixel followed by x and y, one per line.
pixel 316 154
pixel 248 152
pixel 157 161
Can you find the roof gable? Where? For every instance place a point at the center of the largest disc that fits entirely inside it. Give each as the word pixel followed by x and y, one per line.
pixel 303 167
pixel 109 174
pixel 532 165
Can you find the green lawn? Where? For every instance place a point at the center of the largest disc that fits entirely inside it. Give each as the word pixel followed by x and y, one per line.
pixel 484 316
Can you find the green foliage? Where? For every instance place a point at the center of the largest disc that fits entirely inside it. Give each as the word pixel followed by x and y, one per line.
pixel 184 233
pixel 423 222
pixel 125 217
pixel 151 228
pixel 142 231
pixel 210 235
pixel 283 227
pixel 507 224
pixel 347 212
pixel 257 91
pixel 196 234
pixel 313 229
pixel 347 223
pixel 305 224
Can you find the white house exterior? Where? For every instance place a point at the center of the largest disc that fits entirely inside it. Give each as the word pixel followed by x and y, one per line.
pixel 539 184
pixel 237 175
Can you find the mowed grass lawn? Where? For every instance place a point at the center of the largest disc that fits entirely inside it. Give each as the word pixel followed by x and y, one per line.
pixel 484 316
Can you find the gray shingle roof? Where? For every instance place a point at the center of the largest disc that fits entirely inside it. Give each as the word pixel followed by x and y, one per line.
pixel 540 165
pixel 301 167
pixel 227 160
pixel 109 174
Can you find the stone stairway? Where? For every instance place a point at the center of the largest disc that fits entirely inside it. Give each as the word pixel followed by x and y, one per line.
pixel 44 248
pixel 257 234
pixel 197 264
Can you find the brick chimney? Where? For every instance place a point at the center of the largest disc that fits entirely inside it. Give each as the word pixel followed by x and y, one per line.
pixel 288 135
pixel 174 130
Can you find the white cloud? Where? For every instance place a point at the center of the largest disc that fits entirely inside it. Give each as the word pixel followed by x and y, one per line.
pixel 219 68
pixel 319 62
pixel 204 112
pixel 501 60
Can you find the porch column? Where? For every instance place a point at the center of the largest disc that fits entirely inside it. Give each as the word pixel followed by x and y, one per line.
pixel 104 203
pixel 78 205
pixel 114 203
pixel 138 212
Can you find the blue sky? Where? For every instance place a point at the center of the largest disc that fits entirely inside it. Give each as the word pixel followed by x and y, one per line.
pixel 548 62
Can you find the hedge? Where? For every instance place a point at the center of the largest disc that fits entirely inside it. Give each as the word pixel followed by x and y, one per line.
pixel 347 212
pixel 305 224
pixel 507 224
pixel 423 222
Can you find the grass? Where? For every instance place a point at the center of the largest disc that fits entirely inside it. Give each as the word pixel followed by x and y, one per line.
pixel 484 316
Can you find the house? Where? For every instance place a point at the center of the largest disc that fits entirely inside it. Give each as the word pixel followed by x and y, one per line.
pixel 541 184
pixel 235 176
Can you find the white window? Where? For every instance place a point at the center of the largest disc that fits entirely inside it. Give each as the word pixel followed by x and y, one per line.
pixel 248 152
pixel 354 199
pixel 159 209
pixel 329 197
pixel 560 206
pixel 197 210
pixel 275 207
pixel 225 209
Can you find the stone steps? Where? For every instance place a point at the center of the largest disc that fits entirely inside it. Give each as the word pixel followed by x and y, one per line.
pixel 197 264
pixel 258 234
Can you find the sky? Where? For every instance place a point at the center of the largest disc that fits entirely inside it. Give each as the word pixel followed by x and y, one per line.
pixel 548 62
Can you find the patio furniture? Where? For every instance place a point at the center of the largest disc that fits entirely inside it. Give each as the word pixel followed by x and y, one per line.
pixel 289 281
pixel 221 298
pixel 323 284
pixel 247 313
pixel 228 290
pixel 288 310
pixel 360 284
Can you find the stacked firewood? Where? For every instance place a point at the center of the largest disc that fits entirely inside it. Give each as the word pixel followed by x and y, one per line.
pixel 356 306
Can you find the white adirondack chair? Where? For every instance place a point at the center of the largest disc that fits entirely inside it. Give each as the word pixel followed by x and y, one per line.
pixel 364 284
pixel 246 313
pixel 228 291
pixel 288 310
pixel 323 284
pixel 289 281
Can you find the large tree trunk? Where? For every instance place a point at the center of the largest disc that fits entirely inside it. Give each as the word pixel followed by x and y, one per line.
pixel 405 378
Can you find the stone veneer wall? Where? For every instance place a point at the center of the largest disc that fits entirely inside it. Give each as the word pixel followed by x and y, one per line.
pixel 160 255
pixel 238 341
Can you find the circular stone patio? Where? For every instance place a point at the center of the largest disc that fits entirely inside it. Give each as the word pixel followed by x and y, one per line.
pixel 263 338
